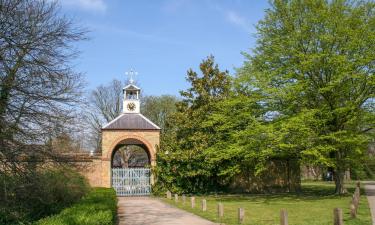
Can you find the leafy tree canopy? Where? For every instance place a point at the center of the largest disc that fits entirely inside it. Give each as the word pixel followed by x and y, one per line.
pixel 183 160
pixel 314 63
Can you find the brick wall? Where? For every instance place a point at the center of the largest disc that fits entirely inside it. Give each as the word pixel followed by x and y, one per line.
pixel 92 170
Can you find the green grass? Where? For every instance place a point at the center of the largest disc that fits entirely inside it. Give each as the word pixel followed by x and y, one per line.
pixel 97 208
pixel 313 206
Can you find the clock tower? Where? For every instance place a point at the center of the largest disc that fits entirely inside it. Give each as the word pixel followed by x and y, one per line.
pixel 131 102
pixel 128 128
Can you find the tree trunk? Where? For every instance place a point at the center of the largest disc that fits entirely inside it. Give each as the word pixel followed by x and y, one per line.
pixel 5 89
pixel 293 175
pixel 124 158
pixel 339 181
pixel 339 174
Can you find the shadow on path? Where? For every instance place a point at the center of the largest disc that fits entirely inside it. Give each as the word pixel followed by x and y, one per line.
pixel 147 211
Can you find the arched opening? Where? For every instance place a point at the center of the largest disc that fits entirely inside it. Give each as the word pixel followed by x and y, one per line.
pixel 131 153
pixel 130 162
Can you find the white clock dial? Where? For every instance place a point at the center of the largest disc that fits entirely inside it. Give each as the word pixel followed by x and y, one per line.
pixel 131 106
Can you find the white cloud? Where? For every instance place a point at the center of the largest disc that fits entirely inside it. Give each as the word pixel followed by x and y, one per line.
pixel 232 16
pixel 89 5
pixel 107 28
pixel 238 20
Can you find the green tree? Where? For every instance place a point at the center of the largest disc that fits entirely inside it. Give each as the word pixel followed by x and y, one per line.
pixel 237 131
pixel 159 108
pixel 183 163
pixel 314 62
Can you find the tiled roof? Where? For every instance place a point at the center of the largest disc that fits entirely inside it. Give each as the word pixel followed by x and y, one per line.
pixel 131 121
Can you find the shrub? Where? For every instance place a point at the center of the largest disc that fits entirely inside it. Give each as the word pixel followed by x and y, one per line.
pixel 98 207
pixel 39 193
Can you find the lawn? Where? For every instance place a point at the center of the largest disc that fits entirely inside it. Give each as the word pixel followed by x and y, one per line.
pixel 313 206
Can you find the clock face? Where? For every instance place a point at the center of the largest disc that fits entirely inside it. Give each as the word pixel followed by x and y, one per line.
pixel 131 106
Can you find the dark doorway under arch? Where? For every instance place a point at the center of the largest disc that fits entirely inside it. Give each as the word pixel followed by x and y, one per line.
pixel 130 153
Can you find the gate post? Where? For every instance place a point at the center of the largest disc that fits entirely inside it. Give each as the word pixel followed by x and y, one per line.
pixel 106 174
pixel 192 201
pixel 169 195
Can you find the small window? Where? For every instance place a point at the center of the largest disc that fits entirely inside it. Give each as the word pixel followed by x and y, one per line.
pixel 132 95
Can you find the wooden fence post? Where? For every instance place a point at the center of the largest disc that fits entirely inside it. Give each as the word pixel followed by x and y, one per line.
pixel 192 201
pixel 204 205
pixel 220 210
pixel 241 215
pixel 355 201
pixel 353 211
pixel 169 195
pixel 356 197
pixel 176 198
pixel 358 191
pixel 337 217
pixel 283 217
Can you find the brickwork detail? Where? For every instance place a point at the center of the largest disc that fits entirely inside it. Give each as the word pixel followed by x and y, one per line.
pixel 110 138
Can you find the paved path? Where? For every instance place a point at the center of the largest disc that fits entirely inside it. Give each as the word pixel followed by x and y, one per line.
pixel 147 211
pixel 370 193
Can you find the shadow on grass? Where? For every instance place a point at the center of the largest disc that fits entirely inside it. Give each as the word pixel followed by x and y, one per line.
pixel 312 206
pixel 310 191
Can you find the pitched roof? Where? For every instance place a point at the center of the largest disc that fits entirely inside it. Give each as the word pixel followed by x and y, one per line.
pixel 131 87
pixel 131 121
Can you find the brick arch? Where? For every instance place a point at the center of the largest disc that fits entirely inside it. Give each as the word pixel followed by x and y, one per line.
pixel 149 147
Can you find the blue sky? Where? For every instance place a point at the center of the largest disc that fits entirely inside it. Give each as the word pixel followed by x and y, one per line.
pixel 161 39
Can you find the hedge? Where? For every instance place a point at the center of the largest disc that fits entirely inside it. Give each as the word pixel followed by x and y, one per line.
pixel 98 207
pixel 37 193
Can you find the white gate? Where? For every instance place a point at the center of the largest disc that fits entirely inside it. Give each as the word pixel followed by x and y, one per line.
pixel 131 181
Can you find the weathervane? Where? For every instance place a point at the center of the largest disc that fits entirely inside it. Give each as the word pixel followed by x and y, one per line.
pixel 131 75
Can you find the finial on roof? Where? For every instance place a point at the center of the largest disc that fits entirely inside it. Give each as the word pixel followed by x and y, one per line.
pixel 131 75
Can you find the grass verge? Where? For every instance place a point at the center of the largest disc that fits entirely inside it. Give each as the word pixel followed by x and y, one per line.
pixel 97 208
pixel 313 206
